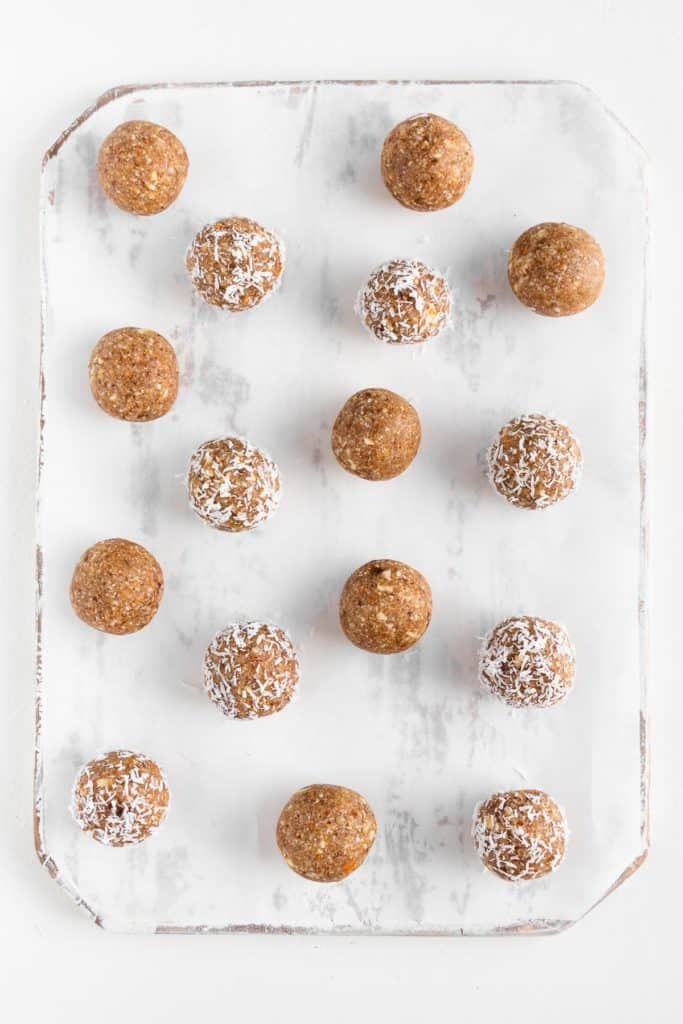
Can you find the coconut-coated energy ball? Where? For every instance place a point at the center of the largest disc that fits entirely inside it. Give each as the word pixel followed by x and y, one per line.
pixel 120 798
pixel 385 606
pixel 232 485
pixel 142 167
pixel 325 832
pixel 134 374
pixel 117 586
pixel 250 670
pixel 520 835
pixel 376 434
pixel 527 662
pixel 556 269
pixel 426 162
pixel 235 263
pixel 405 302
pixel 535 461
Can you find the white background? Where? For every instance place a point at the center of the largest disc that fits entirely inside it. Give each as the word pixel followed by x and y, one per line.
pixel 623 960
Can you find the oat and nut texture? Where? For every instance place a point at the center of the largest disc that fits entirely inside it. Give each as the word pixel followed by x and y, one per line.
pixel 325 832
pixel 134 374
pixel 235 263
pixel 535 461
pixel 520 835
pixel 426 162
pixel 232 485
pixel 405 302
pixel 120 798
pixel 117 586
pixel 385 607
pixel 250 670
pixel 527 662
pixel 556 269
pixel 142 167
pixel 376 434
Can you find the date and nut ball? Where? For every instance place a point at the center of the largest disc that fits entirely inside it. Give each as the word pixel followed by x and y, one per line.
pixel 235 263
pixel 250 670
pixel 232 485
pixel 120 798
pixel 535 461
pixel 520 835
pixel 385 606
pixel 117 586
pixel 134 374
pixel 142 167
pixel 556 269
pixel 426 162
pixel 376 434
pixel 405 302
pixel 527 662
pixel 325 832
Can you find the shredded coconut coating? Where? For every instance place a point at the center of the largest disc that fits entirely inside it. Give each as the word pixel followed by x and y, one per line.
pixel 527 662
pixel 235 263
pixel 134 374
pixel 535 461
pixel 520 835
pixel 232 485
pixel 117 586
pixel 405 302
pixel 142 167
pixel 426 162
pixel 556 269
pixel 250 670
pixel 325 832
pixel 120 798
pixel 385 606
pixel 376 434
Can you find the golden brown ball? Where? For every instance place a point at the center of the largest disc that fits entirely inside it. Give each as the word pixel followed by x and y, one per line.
pixel 527 662
pixel 556 269
pixel 405 302
pixel 426 162
pixel 120 798
pixel 117 586
pixel 385 606
pixel 235 263
pixel 535 461
pixel 232 485
pixel 376 434
pixel 134 374
pixel 250 670
pixel 520 835
pixel 142 167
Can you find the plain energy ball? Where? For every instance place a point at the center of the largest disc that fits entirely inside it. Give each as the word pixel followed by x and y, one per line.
pixel 117 586
pixel 232 485
pixel 385 607
pixel 405 302
pixel 142 167
pixel 426 162
pixel 376 434
pixel 250 670
pixel 325 832
pixel 520 835
pixel 527 662
pixel 120 798
pixel 556 269
pixel 235 263
pixel 134 374
pixel 535 461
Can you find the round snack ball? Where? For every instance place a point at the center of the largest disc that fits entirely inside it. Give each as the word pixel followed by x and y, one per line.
pixel 325 832
pixel 250 670
pixel 527 662
pixel 376 434
pixel 535 461
pixel 405 302
pixel 142 167
pixel 134 374
pixel 520 835
pixel 385 607
pixel 426 162
pixel 232 485
pixel 117 586
pixel 120 798
pixel 235 263
pixel 556 269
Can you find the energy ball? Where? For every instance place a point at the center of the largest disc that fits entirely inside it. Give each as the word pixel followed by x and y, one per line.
pixel 535 461
pixel 142 167
pixel 405 302
pixel 250 670
pixel 556 269
pixel 385 607
pixel 376 434
pixel 235 263
pixel 232 485
pixel 120 798
pixel 520 835
pixel 134 374
pixel 426 162
pixel 527 662
pixel 117 586
pixel 325 832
